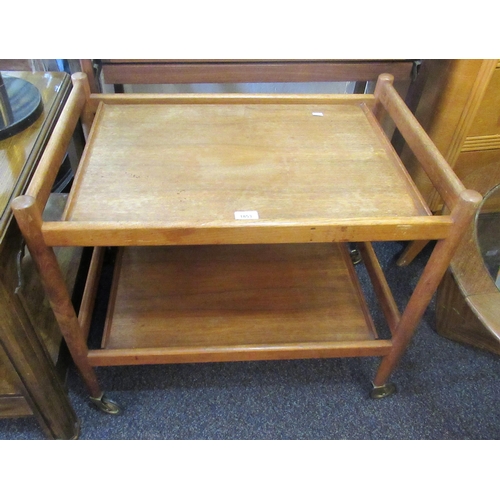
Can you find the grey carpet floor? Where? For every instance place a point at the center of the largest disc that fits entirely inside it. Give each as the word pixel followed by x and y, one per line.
pixel 446 391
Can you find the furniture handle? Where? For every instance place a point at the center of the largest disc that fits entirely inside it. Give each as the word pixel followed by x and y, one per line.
pixel 20 291
pixel 19 267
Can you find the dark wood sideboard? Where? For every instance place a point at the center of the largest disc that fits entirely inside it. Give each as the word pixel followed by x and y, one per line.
pixel 32 361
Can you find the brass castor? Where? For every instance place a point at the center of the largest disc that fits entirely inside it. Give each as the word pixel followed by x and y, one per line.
pixel 106 405
pixel 383 391
pixel 355 256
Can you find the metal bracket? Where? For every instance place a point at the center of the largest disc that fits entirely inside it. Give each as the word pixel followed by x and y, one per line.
pixel 19 267
pixel 415 69
pixel 355 254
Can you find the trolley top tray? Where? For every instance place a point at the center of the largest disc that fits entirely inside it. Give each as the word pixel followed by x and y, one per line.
pixel 196 164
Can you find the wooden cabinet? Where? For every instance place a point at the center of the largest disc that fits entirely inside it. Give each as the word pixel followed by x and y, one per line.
pixel 31 362
pixel 478 163
pixel 460 110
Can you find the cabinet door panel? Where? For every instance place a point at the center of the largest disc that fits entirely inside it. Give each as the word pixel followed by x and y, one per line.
pixel 487 120
pixel 479 170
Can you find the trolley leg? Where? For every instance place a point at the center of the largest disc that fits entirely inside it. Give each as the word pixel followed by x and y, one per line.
pixel 30 222
pixel 437 265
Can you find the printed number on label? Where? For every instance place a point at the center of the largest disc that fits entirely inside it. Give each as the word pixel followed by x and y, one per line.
pixel 246 215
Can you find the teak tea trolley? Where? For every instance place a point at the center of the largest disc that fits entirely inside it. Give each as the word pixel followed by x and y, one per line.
pixel 232 213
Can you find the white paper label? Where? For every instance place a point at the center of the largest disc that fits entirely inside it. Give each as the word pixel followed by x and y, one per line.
pixel 246 215
pixel 317 113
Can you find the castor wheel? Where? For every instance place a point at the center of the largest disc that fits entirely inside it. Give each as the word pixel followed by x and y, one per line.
pixel 383 391
pixel 355 255
pixel 106 405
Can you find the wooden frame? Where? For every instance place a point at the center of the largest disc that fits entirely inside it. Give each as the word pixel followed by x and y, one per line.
pixel 382 222
pixel 363 72
pixel 152 71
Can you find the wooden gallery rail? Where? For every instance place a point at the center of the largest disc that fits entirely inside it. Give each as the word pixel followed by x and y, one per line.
pixel 231 215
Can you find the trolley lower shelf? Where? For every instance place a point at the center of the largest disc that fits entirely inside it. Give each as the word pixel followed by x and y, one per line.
pixel 235 302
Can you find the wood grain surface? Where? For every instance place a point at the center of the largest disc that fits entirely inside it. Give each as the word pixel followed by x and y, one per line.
pixel 198 164
pixel 244 295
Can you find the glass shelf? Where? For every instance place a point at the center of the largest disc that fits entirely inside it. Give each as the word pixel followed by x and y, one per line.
pixel 488 233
